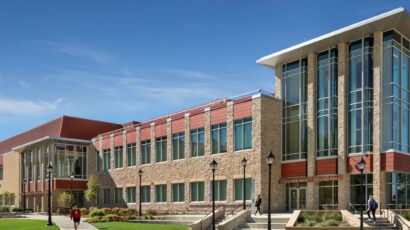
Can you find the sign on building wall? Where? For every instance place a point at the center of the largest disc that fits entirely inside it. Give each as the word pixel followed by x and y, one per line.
pixel 311 179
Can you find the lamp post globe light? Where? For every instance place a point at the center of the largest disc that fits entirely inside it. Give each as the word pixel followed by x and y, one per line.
pixel 244 161
pixel 71 185
pixel 269 159
pixel 140 172
pixel 213 165
pixel 24 195
pixel 361 165
pixel 49 170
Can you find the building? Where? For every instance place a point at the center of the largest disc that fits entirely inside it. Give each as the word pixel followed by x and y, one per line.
pixel 340 97
pixel 345 96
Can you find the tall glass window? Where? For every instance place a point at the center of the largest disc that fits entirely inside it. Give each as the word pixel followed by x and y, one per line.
pixel 131 155
pixel 161 149
pixel 106 193
pixel 118 157
pixel 360 117
pixel 220 190
pixel 145 194
pixel 197 142
pixel 1 173
pixel 38 164
pixel 131 194
pixel 145 152
pixel 178 192
pixel 97 160
pixel 197 191
pixel 31 169
pixel 327 103
pixel 161 193
pixel 355 189
pixel 238 189
pixel 118 195
pixel 218 136
pixel 243 134
pixel 395 117
pixel 398 190
pixel 178 146
pixel 107 159
pixel 24 165
pixel 294 119
pixel 328 195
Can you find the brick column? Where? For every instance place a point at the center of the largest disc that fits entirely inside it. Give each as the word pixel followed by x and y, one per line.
pixel 169 140
pixel 378 176
pixel 112 152
pixel 207 131
pixel 138 147
pixel 187 138
pixel 312 188
pixel 124 149
pixel 343 186
pixel 229 128
pixel 153 147
pixel 278 83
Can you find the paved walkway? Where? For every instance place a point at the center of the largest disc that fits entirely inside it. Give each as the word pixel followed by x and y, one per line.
pixel 63 222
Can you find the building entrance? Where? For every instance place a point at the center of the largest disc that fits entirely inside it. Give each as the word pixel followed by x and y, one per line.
pixel 296 196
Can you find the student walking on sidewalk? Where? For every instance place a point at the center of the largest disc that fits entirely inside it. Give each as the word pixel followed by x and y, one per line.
pixel 76 216
pixel 372 206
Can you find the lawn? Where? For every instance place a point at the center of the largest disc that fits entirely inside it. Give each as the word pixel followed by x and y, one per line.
pixel 136 226
pixel 25 224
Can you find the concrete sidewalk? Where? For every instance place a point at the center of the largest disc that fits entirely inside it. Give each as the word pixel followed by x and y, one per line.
pixel 63 222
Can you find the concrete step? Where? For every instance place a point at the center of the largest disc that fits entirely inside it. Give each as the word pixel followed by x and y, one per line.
pixel 262 225
pixel 192 218
pixel 172 222
pixel 263 219
pixel 257 229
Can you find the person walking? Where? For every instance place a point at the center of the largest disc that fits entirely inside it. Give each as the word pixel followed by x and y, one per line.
pixel 76 216
pixel 372 206
pixel 258 204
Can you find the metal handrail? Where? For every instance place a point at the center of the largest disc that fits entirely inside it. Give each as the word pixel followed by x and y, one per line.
pixel 397 218
pixel 209 213
pixel 232 212
pixel 354 209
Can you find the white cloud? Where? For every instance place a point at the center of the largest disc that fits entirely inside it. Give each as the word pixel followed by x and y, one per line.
pixel 27 107
pixel 24 84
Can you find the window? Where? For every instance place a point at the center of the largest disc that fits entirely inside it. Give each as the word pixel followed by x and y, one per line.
pixel 1 172
pixel 131 194
pixel 218 136
pixel 238 189
pixel 31 169
pixel 360 101
pixel 146 194
pixel 38 164
pixel 161 193
pixel 178 146
pixel 294 110
pixel 355 188
pixel 107 159
pixel 178 193
pixel 220 190
pixel 145 152
pixel 59 161
pixel 118 157
pixel 395 78
pixel 118 195
pixel 327 103
pixel 131 155
pixel 197 191
pixel 328 198
pixel 243 134
pixel 398 190
pixel 97 161
pixel 98 197
pixel 161 149
pixel 23 168
pixel 197 142
pixel 106 196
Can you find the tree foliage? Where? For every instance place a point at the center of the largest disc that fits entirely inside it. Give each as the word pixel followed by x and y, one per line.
pixel 64 199
pixel 91 194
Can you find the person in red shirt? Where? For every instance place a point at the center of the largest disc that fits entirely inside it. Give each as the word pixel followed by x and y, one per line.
pixel 76 216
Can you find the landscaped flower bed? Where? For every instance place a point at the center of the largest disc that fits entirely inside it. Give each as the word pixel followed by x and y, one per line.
pixel 321 219
pixel 115 214
pixel 406 215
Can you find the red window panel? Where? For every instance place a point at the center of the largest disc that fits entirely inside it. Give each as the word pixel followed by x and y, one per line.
pixel 106 141
pixel 326 166
pixel 294 169
pixel 241 110
pixel 219 116
pixel 131 136
pixel 197 121
pixel 145 133
pixel 178 125
pixel 118 139
pixel 352 163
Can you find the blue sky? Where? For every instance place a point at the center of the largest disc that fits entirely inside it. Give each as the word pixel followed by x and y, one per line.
pixel 134 60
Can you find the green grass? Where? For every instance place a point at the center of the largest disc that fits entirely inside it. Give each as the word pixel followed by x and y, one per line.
pixel 25 224
pixel 136 226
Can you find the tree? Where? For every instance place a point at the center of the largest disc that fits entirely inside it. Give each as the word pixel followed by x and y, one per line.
pixel 64 199
pixel 91 194
pixel 8 198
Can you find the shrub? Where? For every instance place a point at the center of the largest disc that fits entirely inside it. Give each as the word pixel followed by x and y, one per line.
pixel 84 211
pixel 17 210
pixel 96 219
pixel 98 212
pixel 29 210
pixel 336 216
pixel 152 212
pixel 332 223
pixel 90 209
pixel 4 209
pixel 60 211
pixel 127 211
pixel 325 216
pixel 107 210
pixel 115 211
pixel 112 217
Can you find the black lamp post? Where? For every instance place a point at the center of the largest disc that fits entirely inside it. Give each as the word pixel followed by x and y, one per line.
pixel 24 195
pixel 244 184
pixel 269 159
pixel 71 197
pixel 140 174
pixel 49 170
pixel 213 165
pixel 361 165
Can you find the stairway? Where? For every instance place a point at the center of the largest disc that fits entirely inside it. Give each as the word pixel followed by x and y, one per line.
pixel 381 223
pixel 261 222
pixel 220 220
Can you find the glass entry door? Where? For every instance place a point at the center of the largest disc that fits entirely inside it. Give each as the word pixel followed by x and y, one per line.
pixel 297 198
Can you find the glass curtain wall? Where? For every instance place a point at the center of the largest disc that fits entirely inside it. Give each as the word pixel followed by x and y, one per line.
pixel 395 120
pixel 327 103
pixel 69 159
pixel 398 190
pixel 360 115
pixel 294 110
pixel 355 189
